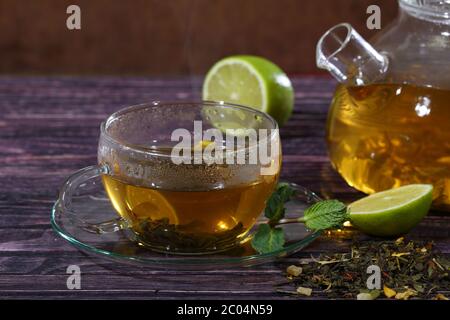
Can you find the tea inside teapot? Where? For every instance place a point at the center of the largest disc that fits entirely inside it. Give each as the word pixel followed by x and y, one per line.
pixel 384 135
pixel 389 121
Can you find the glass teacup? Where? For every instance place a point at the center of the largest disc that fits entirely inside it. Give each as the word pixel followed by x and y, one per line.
pixel 188 178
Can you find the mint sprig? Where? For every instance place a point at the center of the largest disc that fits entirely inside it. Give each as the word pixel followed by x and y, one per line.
pixel 323 215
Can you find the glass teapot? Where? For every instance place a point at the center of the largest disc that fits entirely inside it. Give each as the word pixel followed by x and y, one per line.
pixel 389 121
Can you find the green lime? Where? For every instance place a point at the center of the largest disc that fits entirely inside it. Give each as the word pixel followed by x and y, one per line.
pixel 392 212
pixel 251 81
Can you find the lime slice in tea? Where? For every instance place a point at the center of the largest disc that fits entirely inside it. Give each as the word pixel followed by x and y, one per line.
pixel 148 203
pixel 251 81
pixel 392 212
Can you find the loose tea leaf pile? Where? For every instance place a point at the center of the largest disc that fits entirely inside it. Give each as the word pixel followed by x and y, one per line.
pixel 408 269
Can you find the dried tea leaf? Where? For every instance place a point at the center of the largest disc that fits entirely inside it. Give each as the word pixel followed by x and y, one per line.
pixel 306 260
pixel 371 295
pixel 418 287
pixel 388 292
pixel 438 264
pixel 440 296
pixel 419 266
pixel 324 262
pixel 406 294
pixel 400 254
pixel 416 277
pixel 399 241
pixel 430 269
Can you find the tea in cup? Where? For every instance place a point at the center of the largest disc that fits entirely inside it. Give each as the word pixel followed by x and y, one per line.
pixel 187 178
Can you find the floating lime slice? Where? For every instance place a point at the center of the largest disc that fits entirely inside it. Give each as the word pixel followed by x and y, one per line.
pixel 251 81
pixel 392 212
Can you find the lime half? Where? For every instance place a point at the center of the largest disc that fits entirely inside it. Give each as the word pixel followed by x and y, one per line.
pixel 392 212
pixel 251 81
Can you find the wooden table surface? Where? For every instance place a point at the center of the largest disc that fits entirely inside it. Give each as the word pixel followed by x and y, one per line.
pixel 49 128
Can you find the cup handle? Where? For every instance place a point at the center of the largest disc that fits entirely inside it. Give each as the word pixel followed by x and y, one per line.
pixel 65 200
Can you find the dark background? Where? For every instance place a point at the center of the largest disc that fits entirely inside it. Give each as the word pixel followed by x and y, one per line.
pixel 169 37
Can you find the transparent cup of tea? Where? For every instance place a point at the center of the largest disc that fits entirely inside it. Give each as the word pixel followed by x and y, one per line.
pixel 183 177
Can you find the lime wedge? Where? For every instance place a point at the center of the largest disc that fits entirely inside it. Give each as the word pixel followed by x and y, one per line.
pixel 251 81
pixel 148 203
pixel 391 212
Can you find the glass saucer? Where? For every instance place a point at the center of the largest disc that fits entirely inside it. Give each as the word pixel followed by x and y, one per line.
pixel 92 202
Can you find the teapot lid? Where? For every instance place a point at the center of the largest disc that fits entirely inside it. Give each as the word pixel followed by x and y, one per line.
pixel 436 10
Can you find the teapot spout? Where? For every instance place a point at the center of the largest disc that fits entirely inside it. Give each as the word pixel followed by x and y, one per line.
pixel 350 58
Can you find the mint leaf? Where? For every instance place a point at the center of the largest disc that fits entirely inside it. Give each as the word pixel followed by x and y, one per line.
pixel 267 239
pixel 275 210
pixel 326 214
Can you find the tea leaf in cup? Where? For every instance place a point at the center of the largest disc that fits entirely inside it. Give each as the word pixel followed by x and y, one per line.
pixel 161 233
